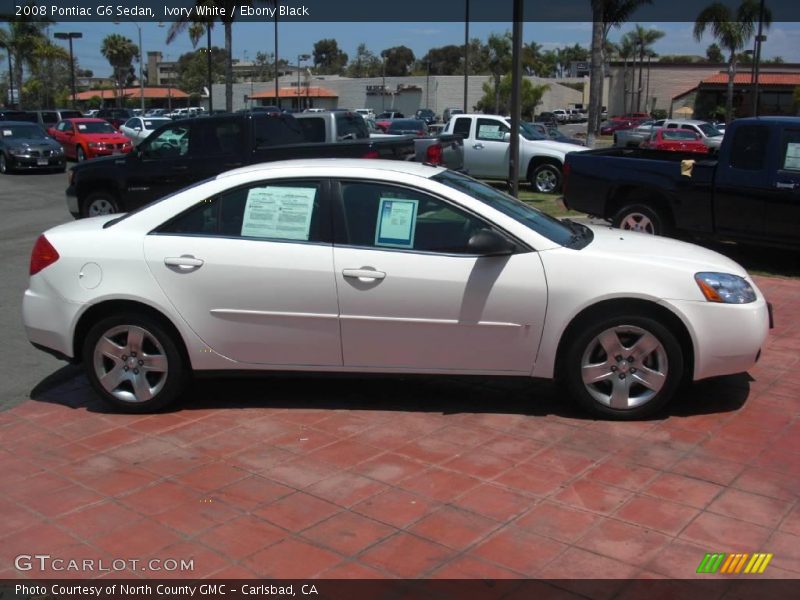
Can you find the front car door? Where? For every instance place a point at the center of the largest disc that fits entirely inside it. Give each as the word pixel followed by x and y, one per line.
pixel 783 200
pixel 413 297
pixel 250 270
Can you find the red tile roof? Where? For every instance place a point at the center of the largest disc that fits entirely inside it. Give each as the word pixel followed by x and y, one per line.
pixel 763 78
pixel 294 92
pixel 133 92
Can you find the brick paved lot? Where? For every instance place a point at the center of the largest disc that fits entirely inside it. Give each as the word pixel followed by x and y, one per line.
pixel 402 477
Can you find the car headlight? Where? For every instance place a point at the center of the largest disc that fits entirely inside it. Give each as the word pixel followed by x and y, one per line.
pixel 725 288
pixel 58 150
pixel 18 151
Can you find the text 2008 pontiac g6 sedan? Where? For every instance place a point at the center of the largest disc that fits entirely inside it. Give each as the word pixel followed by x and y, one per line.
pixel 388 267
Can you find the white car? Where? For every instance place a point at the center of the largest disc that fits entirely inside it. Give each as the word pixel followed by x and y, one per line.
pixel 389 267
pixel 367 113
pixel 138 128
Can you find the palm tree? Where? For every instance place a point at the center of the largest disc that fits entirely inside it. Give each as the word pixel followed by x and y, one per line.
pixel 732 30
pixel 119 51
pixel 499 62
pixel 605 15
pixel 19 41
pixel 642 40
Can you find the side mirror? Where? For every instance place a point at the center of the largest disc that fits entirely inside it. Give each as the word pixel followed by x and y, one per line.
pixel 507 136
pixel 487 242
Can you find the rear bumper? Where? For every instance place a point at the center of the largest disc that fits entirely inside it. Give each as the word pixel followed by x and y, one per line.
pixel 49 320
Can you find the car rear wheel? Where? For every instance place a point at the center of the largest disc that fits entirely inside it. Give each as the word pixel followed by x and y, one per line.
pixel 133 363
pixel 99 203
pixel 642 218
pixel 624 367
pixel 546 179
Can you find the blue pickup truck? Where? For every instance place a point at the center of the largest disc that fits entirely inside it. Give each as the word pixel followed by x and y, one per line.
pixel 749 192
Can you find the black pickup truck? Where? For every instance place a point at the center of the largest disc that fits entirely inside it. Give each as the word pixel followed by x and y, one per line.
pixel 184 152
pixel 749 193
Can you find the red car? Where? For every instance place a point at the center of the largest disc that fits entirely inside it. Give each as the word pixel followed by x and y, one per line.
pixel 615 124
pixel 676 140
pixel 87 138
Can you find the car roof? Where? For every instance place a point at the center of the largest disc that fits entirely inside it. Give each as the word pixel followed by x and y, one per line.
pixel 7 123
pixel 394 166
pixel 86 120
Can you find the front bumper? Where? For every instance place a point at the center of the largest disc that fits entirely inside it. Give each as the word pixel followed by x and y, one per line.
pixel 33 163
pixel 727 338
pixel 95 152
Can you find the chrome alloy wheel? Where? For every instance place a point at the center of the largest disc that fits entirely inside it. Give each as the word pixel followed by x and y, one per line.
pixel 546 181
pixel 130 363
pixel 636 221
pixel 624 367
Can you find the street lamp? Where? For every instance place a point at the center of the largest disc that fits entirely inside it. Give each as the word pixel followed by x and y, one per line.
pixel 300 58
pixel 71 35
pixel 141 54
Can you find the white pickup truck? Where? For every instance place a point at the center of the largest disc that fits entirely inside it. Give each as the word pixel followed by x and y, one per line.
pixel 486 151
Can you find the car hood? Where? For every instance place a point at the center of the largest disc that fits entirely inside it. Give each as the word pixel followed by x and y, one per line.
pixel 618 245
pixel 553 145
pixel 33 144
pixel 113 138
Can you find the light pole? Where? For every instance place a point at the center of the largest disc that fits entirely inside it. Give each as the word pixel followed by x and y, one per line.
pixel 141 53
pixel 760 38
pixel 300 58
pixel 71 35
pixel 383 89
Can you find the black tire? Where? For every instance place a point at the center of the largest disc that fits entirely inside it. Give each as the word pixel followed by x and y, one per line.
pixel 642 400
pixel 158 345
pixel 99 203
pixel 80 155
pixel 641 217
pixel 5 168
pixel 546 179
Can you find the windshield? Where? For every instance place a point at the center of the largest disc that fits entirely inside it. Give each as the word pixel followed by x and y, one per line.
pixel 534 219
pixel 709 130
pixel 530 132
pixel 96 127
pixel 155 123
pixel 22 132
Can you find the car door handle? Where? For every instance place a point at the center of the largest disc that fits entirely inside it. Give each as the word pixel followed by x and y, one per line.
pixel 477 146
pixel 363 274
pixel 786 185
pixel 184 262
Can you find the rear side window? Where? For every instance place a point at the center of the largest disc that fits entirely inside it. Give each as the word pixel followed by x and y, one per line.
pixel 284 211
pixel 276 130
pixel 749 147
pixel 350 127
pixel 462 126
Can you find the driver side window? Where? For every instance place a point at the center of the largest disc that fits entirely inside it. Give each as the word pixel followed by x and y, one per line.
pixel 491 131
pixel 172 142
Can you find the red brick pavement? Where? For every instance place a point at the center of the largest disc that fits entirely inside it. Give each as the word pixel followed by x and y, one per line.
pixel 396 477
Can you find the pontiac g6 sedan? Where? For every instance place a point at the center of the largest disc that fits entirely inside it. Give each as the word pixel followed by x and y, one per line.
pixel 387 267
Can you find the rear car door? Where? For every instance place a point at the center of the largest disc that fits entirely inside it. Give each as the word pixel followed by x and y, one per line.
pixel 741 182
pixel 250 270
pixel 782 215
pixel 489 151
pixel 412 296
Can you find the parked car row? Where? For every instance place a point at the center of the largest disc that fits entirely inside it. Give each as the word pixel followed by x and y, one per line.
pixel 701 131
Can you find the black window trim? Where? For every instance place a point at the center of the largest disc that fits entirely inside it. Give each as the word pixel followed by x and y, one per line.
pixel 325 205
pixel 339 227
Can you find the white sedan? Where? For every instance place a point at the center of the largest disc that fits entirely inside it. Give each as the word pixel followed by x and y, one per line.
pixel 138 128
pixel 389 267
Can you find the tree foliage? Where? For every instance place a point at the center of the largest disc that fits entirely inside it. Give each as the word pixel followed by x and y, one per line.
pixel 530 97
pixel 399 60
pixel 328 58
pixel 119 51
pixel 192 69
pixel 365 63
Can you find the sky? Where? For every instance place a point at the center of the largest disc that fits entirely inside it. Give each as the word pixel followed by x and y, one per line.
pixel 783 39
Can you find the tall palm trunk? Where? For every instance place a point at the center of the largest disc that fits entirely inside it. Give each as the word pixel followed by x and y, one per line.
pixel 639 87
pixel 729 94
pixel 596 72
pixel 228 66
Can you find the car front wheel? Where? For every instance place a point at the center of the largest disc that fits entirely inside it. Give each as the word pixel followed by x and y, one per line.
pixel 641 218
pixel 4 168
pixel 624 367
pixel 133 363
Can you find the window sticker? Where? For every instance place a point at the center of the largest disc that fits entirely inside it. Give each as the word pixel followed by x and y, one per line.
pixel 792 160
pixel 490 132
pixel 279 212
pixel 81 126
pixel 7 132
pixel 397 220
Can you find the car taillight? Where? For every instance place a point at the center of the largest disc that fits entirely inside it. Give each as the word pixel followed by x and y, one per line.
pixel 372 154
pixel 433 155
pixel 43 255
